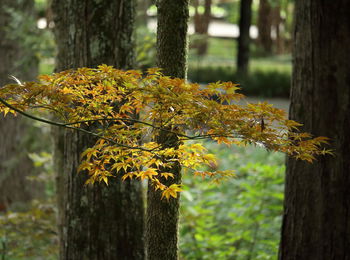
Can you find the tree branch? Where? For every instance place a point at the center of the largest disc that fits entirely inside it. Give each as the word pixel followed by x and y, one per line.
pixel 65 125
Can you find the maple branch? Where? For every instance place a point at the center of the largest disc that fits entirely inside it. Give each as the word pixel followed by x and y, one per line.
pixel 48 108
pixel 69 127
pixel 130 120
pixel 185 137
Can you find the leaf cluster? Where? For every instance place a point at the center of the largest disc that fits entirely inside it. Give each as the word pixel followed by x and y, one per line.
pixel 129 112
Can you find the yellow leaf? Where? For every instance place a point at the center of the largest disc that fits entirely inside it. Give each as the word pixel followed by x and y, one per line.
pixel 171 191
pixel 198 147
pixel 167 174
pixel 6 110
pixel 128 175
pixel 158 185
pixel 89 181
pixel 66 90
pixel 84 166
pixel 149 173
pixel 105 179
pixel 222 139
pixel 210 158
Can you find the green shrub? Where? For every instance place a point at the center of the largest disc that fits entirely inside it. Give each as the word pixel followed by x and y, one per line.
pixel 259 82
pixel 271 83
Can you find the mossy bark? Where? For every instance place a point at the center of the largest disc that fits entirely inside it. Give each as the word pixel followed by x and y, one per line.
pixel 172 37
pixel 316 222
pixel 98 222
pixel 18 60
pixel 162 215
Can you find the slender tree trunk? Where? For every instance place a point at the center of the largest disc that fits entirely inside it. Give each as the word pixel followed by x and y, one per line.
pixel 18 60
pixel 277 25
pixel 264 26
pixel 244 38
pixel 201 25
pixel 162 215
pixel 316 223
pixel 172 37
pixel 141 16
pixel 99 222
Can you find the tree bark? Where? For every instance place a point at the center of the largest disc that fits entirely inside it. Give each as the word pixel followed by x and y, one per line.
pixel 172 37
pixel 98 222
pixel 162 215
pixel 244 37
pixel 264 26
pixel 15 165
pixel 316 223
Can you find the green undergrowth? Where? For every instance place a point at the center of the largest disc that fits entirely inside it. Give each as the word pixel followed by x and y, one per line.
pixel 31 234
pixel 240 218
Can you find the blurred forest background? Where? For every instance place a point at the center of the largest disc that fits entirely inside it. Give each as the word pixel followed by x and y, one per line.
pixel 239 219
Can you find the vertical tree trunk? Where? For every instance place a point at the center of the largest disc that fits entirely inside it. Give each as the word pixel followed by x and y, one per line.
pixel 264 26
pixel 316 223
pixel 201 25
pixel 277 25
pixel 244 37
pixel 141 15
pixel 18 60
pixel 99 222
pixel 172 37
pixel 162 215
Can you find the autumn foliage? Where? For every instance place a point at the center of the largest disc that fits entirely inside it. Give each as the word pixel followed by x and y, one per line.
pixel 127 110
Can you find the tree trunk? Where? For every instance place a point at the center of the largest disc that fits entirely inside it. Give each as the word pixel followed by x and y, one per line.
pixel 172 37
pixel 141 12
pixel 316 223
pixel 98 222
pixel 278 26
pixel 264 26
pixel 201 26
pixel 244 37
pixel 162 215
pixel 18 60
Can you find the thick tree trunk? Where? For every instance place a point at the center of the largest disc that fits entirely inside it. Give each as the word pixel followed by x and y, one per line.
pixel 244 38
pixel 15 165
pixel 264 26
pixel 89 33
pixel 99 222
pixel 162 215
pixel 316 223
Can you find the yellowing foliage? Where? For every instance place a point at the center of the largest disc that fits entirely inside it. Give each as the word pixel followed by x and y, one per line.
pixel 104 102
